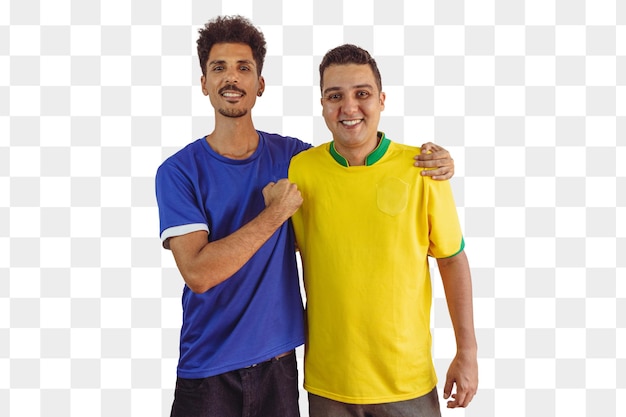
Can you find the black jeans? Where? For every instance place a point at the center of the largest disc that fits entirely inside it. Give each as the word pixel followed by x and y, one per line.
pixel 267 389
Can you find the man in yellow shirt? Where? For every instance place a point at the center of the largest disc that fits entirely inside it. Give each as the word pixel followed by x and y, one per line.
pixel 367 225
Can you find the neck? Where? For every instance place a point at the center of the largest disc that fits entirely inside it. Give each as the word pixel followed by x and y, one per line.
pixel 234 138
pixel 356 156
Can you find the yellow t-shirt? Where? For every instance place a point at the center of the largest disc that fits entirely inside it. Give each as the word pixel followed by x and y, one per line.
pixel 364 234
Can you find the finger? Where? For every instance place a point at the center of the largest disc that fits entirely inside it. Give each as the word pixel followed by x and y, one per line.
pixel 460 397
pixel 463 397
pixel 429 146
pixel 468 398
pixel 424 156
pixel 440 169
pixel 432 162
pixel 452 403
pixel 438 174
pixel 441 155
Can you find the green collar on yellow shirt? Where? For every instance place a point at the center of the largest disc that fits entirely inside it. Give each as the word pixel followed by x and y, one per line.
pixel 371 159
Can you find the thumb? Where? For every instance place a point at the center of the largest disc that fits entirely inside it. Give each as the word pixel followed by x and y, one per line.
pixel 447 389
pixel 268 186
pixel 427 147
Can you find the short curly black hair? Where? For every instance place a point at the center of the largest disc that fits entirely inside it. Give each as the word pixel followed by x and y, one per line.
pixel 231 29
pixel 350 54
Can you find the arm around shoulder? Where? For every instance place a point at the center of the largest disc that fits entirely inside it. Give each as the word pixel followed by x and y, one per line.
pixel 438 159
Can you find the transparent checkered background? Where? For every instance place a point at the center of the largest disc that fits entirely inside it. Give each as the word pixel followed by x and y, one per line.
pixel 529 96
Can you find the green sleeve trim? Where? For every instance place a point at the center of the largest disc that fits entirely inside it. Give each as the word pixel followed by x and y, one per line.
pixel 459 251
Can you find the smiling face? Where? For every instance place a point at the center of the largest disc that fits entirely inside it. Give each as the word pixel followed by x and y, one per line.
pixel 231 79
pixel 352 103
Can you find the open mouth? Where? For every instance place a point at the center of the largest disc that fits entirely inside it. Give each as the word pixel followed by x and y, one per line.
pixel 232 92
pixel 350 123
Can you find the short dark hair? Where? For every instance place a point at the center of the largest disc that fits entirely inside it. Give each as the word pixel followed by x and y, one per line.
pixel 349 54
pixel 231 29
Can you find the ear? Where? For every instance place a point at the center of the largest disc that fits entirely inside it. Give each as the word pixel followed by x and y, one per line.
pixel 383 96
pixel 202 84
pixel 261 83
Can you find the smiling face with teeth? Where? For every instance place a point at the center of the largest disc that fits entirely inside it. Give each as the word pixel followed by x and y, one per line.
pixel 231 81
pixel 352 102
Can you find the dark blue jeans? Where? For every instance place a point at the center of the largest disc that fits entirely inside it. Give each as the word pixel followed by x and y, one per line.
pixel 267 389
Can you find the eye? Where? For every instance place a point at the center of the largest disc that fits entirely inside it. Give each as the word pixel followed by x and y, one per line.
pixel 217 68
pixel 244 68
pixel 334 97
pixel 363 94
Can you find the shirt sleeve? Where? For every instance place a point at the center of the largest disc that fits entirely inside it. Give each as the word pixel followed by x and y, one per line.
pixel 445 235
pixel 180 208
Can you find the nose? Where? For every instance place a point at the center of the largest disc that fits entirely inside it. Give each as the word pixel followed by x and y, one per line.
pixel 231 77
pixel 349 105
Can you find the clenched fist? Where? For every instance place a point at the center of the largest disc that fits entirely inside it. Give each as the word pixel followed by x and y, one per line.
pixel 283 197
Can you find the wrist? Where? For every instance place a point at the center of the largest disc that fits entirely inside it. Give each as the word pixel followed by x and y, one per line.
pixel 273 217
pixel 467 350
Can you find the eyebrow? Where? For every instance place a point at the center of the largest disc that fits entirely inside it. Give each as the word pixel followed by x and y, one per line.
pixel 223 61
pixel 356 87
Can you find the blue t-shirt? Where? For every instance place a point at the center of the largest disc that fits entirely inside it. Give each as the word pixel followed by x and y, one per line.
pixel 257 313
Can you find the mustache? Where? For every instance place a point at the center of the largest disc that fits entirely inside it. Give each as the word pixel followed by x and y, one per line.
pixel 231 88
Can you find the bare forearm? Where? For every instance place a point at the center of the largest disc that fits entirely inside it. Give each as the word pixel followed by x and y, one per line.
pixel 206 264
pixel 463 370
pixel 457 282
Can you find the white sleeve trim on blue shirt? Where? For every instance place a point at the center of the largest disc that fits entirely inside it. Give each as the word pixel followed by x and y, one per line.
pixel 181 230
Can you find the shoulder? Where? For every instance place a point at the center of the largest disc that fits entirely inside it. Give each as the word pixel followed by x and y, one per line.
pixel 313 154
pixel 401 154
pixel 287 143
pixel 403 148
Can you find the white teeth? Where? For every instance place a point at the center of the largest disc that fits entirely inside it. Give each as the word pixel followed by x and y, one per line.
pixel 231 95
pixel 351 122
